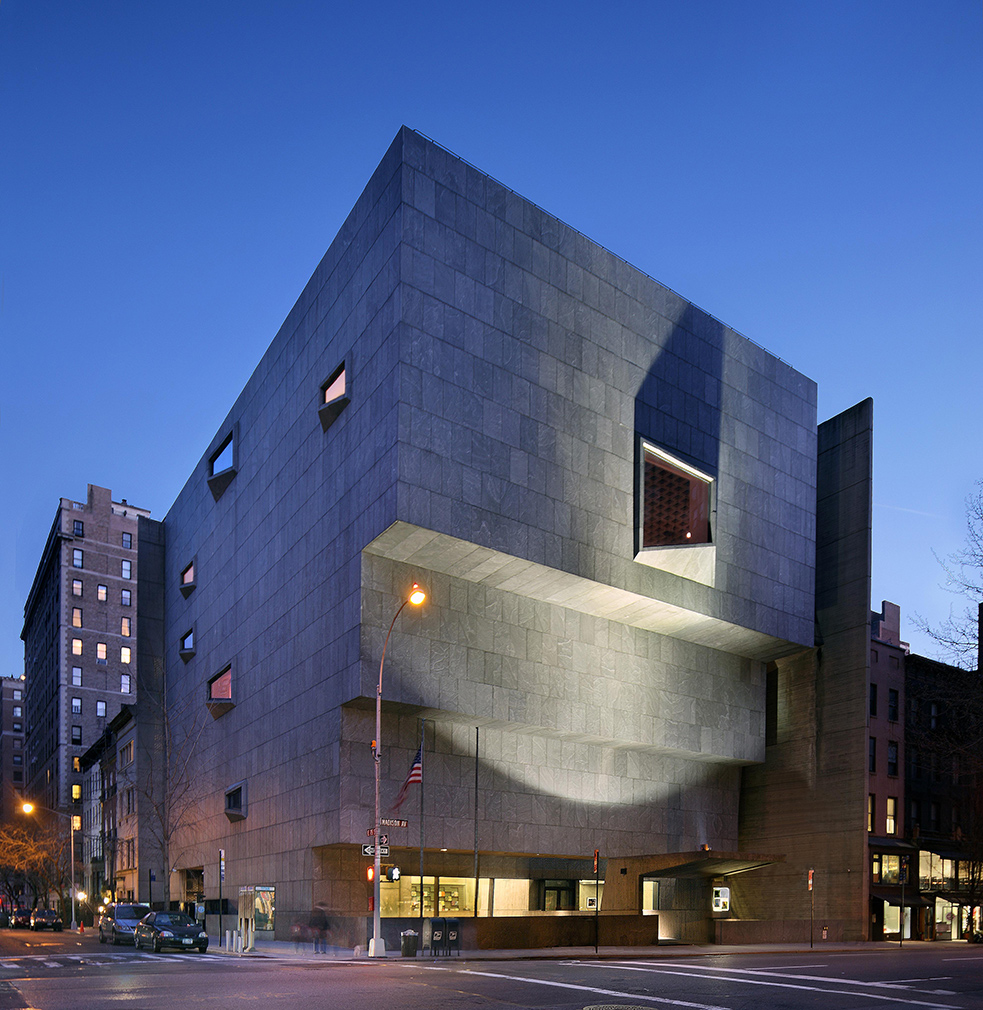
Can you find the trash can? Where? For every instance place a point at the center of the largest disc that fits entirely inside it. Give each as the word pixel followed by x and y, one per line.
pixel 438 936
pixel 453 935
pixel 407 943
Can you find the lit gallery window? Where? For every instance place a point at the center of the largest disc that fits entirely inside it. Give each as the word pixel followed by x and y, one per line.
pixel 76 646
pixel 76 617
pixel 76 792
pixel 220 687
pixel 124 627
pixel 334 397
pixel 101 653
pixel 675 501
pixel 219 699
pixel 124 654
pixel 188 582
pixel 101 594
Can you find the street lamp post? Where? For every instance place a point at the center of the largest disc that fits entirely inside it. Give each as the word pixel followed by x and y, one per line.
pixel 29 808
pixel 377 946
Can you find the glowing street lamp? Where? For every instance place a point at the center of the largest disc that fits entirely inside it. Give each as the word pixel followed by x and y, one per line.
pixel 377 946
pixel 29 808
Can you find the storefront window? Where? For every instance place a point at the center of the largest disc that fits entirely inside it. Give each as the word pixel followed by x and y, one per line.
pixel 401 898
pixel 890 872
pixel 650 896
pixel 591 895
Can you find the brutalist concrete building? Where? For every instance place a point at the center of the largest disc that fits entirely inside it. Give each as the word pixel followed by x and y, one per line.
pixel 626 520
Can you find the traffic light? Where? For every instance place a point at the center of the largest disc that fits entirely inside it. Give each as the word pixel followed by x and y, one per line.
pixel 392 873
pixel 370 873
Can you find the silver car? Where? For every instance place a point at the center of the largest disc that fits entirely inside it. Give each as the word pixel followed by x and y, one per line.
pixel 118 923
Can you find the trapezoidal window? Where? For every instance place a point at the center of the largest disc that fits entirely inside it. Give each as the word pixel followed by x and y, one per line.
pixel 223 465
pixel 676 502
pixel 334 397
pixel 219 700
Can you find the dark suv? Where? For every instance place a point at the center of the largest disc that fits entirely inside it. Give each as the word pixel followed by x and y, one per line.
pixel 119 921
pixel 46 918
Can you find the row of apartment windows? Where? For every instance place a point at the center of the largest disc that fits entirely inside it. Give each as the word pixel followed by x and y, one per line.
pixel 891 814
pixel 892 756
pixel 77 708
pixel 78 561
pixel 125 680
pixel 932 824
pixel 102 593
pixel 124 622
pixel 125 653
pixel 892 703
pixel 78 530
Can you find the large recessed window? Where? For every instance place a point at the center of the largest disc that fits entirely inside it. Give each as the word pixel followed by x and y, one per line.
pixel 675 502
pixel 674 510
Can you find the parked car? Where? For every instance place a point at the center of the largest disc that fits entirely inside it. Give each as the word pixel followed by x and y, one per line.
pixel 118 922
pixel 46 918
pixel 170 929
pixel 20 919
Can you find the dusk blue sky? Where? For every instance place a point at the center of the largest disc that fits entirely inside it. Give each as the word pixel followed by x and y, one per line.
pixel 807 172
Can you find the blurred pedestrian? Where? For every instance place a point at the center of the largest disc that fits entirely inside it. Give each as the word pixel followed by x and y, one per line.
pixel 319 929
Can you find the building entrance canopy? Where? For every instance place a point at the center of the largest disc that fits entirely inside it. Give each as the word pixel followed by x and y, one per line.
pixel 705 863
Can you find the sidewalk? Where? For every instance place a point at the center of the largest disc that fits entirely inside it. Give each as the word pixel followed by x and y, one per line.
pixel 304 952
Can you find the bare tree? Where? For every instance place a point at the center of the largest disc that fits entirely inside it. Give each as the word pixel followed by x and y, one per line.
pixel 35 857
pixel 169 791
pixel 958 636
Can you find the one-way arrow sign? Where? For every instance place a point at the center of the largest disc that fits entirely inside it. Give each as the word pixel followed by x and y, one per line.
pixel 369 850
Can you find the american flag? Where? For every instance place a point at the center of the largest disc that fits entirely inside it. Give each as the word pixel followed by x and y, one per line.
pixel 415 775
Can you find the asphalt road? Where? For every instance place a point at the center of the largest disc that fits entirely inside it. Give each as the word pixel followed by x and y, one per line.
pixel 67 972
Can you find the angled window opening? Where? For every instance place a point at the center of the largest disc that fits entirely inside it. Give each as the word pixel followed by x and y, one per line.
pixel 219 700
pixel 188 583
pixel 674 509
pixel 223 465
pixel 334 397
pixel 187 647
pixel 236 806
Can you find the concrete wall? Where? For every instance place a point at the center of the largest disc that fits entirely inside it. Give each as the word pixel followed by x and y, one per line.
pixel 501 369
pixel 809 798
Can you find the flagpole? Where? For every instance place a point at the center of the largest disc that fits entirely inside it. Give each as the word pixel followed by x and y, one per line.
pixel 476 821
pixel 423 732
